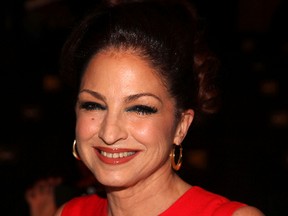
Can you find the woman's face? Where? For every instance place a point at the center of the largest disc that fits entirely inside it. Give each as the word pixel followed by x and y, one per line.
pixel 125 120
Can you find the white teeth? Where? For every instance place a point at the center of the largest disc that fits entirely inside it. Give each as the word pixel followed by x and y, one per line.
pixel 117 155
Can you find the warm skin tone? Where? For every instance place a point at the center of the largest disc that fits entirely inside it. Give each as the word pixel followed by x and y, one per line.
pixel 131 110
pixel 123 107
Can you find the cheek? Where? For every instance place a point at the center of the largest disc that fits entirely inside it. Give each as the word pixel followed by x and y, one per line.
pixel 85 127
pixel 154 132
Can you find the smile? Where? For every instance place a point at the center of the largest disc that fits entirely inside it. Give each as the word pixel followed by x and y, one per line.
pixel 117 155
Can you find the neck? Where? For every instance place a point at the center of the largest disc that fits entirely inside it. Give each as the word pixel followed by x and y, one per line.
pixel 148 197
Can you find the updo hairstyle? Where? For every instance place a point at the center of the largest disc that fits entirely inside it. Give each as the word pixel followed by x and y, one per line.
pixel 164 33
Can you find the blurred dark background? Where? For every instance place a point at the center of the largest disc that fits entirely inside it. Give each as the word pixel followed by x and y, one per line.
pixel 241 152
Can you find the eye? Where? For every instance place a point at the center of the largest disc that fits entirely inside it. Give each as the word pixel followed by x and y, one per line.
pixel 142 109
pixel 91 106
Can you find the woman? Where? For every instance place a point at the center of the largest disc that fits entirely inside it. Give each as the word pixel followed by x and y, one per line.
pixel 143 74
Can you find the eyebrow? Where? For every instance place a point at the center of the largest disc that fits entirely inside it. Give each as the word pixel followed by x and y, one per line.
pixel 130 98
pixel 136 96
pixel 94 94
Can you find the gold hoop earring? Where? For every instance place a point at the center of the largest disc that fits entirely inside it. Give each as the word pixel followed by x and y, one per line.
pixel 74 151
pixel 177 166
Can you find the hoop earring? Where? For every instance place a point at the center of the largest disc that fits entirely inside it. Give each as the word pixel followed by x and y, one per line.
pixel 74 151
pixel 177 166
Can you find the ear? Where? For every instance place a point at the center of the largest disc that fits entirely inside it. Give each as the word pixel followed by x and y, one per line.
pixel 183 125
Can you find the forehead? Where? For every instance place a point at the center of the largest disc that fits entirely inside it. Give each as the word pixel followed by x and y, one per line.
pixel 123 57
pixel 136 54
pixel 117 67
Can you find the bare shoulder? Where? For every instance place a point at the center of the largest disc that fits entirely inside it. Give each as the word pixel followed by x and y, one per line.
pixel 59 210
pixel 248 211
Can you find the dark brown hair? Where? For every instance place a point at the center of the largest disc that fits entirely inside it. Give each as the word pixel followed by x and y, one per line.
pixel 165 33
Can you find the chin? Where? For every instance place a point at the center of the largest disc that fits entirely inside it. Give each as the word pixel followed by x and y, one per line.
pixel 113 181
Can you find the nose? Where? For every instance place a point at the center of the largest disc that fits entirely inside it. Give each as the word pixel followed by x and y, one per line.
pixel 112 129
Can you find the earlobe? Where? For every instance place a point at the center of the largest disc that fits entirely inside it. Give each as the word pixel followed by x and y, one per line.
pixel 183 126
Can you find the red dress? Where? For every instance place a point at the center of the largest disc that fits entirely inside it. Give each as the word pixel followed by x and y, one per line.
pixel 196 201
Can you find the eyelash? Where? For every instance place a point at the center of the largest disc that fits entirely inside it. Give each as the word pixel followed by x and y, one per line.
pixel 91 106
pixel 143 110
pixel 139 109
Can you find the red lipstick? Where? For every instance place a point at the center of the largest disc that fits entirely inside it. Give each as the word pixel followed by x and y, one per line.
pixel 115 155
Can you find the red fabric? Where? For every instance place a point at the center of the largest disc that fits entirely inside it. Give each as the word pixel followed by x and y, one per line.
pixel 200 202
pixel 88 205
pixel 195 202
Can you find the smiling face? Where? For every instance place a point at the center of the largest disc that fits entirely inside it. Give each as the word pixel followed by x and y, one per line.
pixel 126 120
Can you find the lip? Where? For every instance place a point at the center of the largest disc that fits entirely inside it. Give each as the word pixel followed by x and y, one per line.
pixel 121 155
